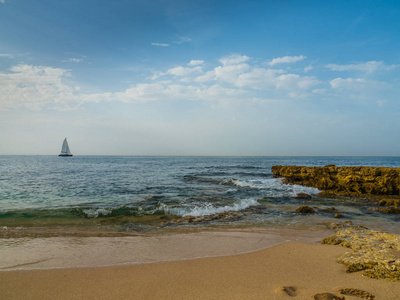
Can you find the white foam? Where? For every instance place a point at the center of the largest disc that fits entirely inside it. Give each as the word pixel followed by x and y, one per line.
pixel 273 187
pixel 96 212
pixel 209 208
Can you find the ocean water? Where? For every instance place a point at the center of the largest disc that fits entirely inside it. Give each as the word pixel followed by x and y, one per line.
pixel 130 194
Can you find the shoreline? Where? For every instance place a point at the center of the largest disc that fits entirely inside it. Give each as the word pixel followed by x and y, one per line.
pixel 296 270
pixel 33 253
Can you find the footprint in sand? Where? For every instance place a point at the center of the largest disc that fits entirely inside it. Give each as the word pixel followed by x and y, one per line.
pixel 357 293
pixel 327 296
pixel 287 290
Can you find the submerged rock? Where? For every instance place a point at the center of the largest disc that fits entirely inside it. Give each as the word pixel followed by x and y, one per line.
pixel 305 210
pixel 302 196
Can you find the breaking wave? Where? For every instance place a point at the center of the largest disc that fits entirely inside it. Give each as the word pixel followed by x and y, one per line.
pixel 209 208
pixel 273 187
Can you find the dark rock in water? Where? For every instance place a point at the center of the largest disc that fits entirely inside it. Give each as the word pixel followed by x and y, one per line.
pixel 328 296
pixel 132 227
pixel 388 210
pixel 302 196
pixel 305 210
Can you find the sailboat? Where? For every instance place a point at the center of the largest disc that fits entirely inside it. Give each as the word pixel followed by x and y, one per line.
pixel 65 149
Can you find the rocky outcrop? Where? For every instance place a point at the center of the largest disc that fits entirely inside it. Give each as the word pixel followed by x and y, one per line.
pixel 351 181
pixel 372 252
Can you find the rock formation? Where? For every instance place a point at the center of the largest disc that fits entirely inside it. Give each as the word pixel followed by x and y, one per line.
pixel 350 181
pixel 371 251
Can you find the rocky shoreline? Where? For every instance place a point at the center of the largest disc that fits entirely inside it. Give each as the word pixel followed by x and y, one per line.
pixel 379 184
pixel 375 253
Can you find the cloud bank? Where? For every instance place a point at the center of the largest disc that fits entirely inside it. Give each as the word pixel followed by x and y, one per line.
pixel 233 78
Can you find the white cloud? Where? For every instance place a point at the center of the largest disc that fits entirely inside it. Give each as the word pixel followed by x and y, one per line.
pixel 294 82
pixel 258 78
pixel 286 59
pixel 35 86
pixel 3 1
pixel 195 62
pixel 354 83
pixel 235 77
pixel 368 67
pixel 75 60
pixel 160 44
pixel 233 59
pixel 308 68
pixel 182 39
pixel 243 75
pixel 182 71
pixel 159 91
pixel 5 54
pixel 319 91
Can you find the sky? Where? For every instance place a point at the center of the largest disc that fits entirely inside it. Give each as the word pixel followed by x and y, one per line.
pixel 209 77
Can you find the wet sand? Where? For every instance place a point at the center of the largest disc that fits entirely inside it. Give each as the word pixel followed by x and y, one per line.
pixel 291 270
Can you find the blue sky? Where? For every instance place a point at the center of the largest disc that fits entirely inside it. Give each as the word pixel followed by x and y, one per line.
pixel 200 77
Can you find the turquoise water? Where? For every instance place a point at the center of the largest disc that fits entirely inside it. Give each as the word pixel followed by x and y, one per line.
pixel 130 193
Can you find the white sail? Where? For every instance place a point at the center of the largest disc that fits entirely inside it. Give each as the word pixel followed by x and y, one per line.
pixel 65 149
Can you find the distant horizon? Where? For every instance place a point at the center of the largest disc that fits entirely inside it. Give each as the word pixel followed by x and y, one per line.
pixel 172 155
pixel 255 78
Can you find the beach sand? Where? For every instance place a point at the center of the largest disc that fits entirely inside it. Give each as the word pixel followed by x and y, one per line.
pixel 291 270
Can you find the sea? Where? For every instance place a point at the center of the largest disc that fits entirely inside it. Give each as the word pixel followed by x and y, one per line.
pixel 122 195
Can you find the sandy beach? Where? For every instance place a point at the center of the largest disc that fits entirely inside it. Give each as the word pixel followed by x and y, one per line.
pixel 290 270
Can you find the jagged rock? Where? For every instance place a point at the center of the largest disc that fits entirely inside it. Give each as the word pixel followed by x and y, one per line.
pixel 302 196
pixel 353 181
pixel 371 251
pixel 305 210
pixel 388 210
pixel 348 181
pixel 332 240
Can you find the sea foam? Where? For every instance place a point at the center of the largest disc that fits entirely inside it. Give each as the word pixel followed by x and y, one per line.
pixel 209 208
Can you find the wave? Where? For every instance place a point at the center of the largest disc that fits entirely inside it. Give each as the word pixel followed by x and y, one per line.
pixel 273 186
pixel 207 177
pixel 195 178
pixel 208 208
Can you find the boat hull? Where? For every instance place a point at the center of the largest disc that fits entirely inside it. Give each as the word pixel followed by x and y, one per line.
pixel 65 155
